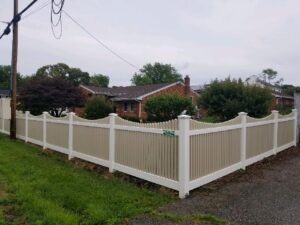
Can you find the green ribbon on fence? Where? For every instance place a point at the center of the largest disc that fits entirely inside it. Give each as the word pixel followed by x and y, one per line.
pixel 169 133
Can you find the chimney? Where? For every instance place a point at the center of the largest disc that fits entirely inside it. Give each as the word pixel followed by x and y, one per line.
pixel 187 85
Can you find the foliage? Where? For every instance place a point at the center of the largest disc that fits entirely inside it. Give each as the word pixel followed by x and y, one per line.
pixel 46 189
pixel 5 78
pixel 210 119
pixel 269 75
pixel 288 89
pixel 156 73
pixel 167 107
pixel 53 95
pixel 99 80
pixel 225 99
pixel 97 108
pixel 63 71
pixel 284 109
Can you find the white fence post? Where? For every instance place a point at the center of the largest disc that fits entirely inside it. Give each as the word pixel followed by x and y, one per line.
pixel 243 139
pixel 44 129
pixel 112 141
pixel 184 155
pixel 275 133
pixel 71 115
pixel 26 125
pixel 295 126
pixel 2 114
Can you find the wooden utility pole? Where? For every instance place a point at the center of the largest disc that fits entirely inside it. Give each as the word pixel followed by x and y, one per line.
pixel 14 62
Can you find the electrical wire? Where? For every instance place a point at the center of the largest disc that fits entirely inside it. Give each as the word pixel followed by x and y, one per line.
pixel 56 18
pixel 98 41
pixel 16 19
pixel 42 6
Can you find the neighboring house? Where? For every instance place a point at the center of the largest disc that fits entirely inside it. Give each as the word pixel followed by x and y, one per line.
pixel 129 101
pixel 4 93
pixel 279 99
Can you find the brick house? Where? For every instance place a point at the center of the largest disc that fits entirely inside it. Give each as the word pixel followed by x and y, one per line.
pixel 129 101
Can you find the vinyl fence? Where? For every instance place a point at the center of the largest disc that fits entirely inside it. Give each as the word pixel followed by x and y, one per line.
pixel 181 154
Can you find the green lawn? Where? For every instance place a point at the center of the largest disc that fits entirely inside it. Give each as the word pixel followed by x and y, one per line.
pixel 38 188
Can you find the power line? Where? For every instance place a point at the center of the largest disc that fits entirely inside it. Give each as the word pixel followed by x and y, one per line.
pixel 100 42
pixel 56 11
pixel 16 19
pixel 42 6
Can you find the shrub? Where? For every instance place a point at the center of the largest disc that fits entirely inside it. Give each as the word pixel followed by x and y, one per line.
pixel 225 99
pixel 97 108
pixel 167 107
pixel 132 118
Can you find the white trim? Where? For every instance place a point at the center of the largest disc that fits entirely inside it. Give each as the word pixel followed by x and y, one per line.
pixel 286 146
pixel 91 159
pixel 58 121
pixel 259 123
pixel 285 119
pixel 142 129
pixel 243 116
pixel 214 176
pixel 20 137
pixel 90 124
pixel 33 141
pixel 215 129
pixel 112 141
pixel 57 148
pixel 259 157
pixel 148 176
pixel 84 87
pixel 35 119
pixel 184 155
pixel 70 139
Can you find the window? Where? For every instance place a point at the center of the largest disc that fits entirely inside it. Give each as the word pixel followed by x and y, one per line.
pixel 132 106
pixel 125 106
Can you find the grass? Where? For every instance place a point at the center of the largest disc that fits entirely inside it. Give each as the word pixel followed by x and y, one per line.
pixel 40 189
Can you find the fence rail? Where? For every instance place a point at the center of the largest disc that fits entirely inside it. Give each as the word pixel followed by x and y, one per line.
pixel 181 154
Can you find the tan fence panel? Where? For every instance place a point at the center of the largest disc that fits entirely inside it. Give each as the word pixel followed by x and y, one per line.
pixel 93 141
pixel 259 139
pixel 7 125
pixel 21 126
pixel 35 130
pixel 152 153
pixel 1 123
pixel 58 134
pixel 212 152
pixel 285 132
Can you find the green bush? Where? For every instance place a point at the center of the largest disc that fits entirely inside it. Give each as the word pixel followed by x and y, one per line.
pixel 225 99
pixel 97 108
pixel 132 118
pixel 167 107
pixel 284 109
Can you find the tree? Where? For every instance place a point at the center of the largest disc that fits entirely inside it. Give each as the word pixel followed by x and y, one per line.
pixel 156 73
pixel 167 107
pixel 53 95
pixel 5 71
pixel 99 80
pixel 269 75
pixel 97 108
pixel 225 99
pixel 63 71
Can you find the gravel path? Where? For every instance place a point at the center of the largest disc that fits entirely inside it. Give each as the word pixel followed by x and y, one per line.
pixel 267 193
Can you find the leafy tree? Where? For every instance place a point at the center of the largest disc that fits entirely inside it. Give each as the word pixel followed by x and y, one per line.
pixel 156 73
pixel 63 71
pixel 97 108
pixel 53 95
pixel 268 75
pixel 167 107
pixel 225 99
pixel 5 78
pixel 99 80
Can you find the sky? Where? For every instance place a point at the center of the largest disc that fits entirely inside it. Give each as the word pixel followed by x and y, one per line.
pixel 204 39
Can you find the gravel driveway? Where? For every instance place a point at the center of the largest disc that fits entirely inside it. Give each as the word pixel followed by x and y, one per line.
pixel 267 193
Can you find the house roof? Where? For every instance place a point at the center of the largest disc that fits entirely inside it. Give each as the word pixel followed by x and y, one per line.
pixel 129 92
